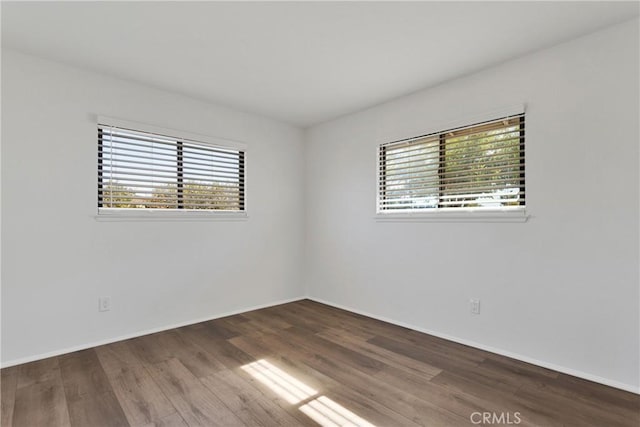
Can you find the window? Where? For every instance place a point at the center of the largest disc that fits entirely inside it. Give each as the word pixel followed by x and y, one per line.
pixel 470 168
pixel 141 170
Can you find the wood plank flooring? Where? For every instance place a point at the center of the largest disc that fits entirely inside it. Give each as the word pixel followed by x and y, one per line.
pixel 300 364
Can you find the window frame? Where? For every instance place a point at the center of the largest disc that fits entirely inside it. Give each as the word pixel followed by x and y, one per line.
pixel 457 214
pixel 178 214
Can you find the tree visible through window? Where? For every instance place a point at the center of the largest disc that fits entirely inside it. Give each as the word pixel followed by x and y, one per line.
pixel 141 170
pixel 478 166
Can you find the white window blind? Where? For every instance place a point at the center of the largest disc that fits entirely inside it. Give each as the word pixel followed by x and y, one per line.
pixel 474 167
pixel 142 170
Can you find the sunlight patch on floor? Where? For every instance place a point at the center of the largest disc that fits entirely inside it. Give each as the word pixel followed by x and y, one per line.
pixel 328 413
pixel 321 409
pixel 292 390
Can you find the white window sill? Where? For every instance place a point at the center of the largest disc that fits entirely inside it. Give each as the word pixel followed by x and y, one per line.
pixel 115 215
pixel 470 215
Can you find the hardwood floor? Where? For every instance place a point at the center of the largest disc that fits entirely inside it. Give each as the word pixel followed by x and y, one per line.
pixel 300 364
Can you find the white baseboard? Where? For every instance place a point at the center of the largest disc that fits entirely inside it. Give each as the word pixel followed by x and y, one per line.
pixel 59 352
pixel 552 366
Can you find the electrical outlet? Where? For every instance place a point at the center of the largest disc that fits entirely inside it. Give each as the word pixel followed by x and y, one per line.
pixel 104 303
pixel 475 305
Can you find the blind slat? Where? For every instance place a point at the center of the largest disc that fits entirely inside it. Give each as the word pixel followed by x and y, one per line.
pixel 127 204
pixel 435 189
pixel 168 200
pixel 499 144
pixel 141 189
pixel 187 171
pixel 110 132
pixel 453 186
pixel 166 157
pixel 458 170
pixel 468 178
pixel 134 187
pixel 416 144
pixel 161 148
pixel 118 158
pixel 422 193
pixel 123 177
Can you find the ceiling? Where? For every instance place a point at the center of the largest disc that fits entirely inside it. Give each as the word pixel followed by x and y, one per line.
pixel 298 62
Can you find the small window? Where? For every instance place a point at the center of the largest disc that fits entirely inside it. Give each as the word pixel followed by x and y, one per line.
pixel 142 170
pixel 473 167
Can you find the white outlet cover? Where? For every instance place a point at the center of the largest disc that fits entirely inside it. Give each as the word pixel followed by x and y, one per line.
pixel 104 303
pixel 475 306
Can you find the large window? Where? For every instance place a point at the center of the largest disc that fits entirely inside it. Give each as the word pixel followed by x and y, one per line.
pixel 142 170
pixel 473 167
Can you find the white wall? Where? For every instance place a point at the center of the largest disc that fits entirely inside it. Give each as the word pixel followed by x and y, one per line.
pixel 561 289
pixel 57 259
